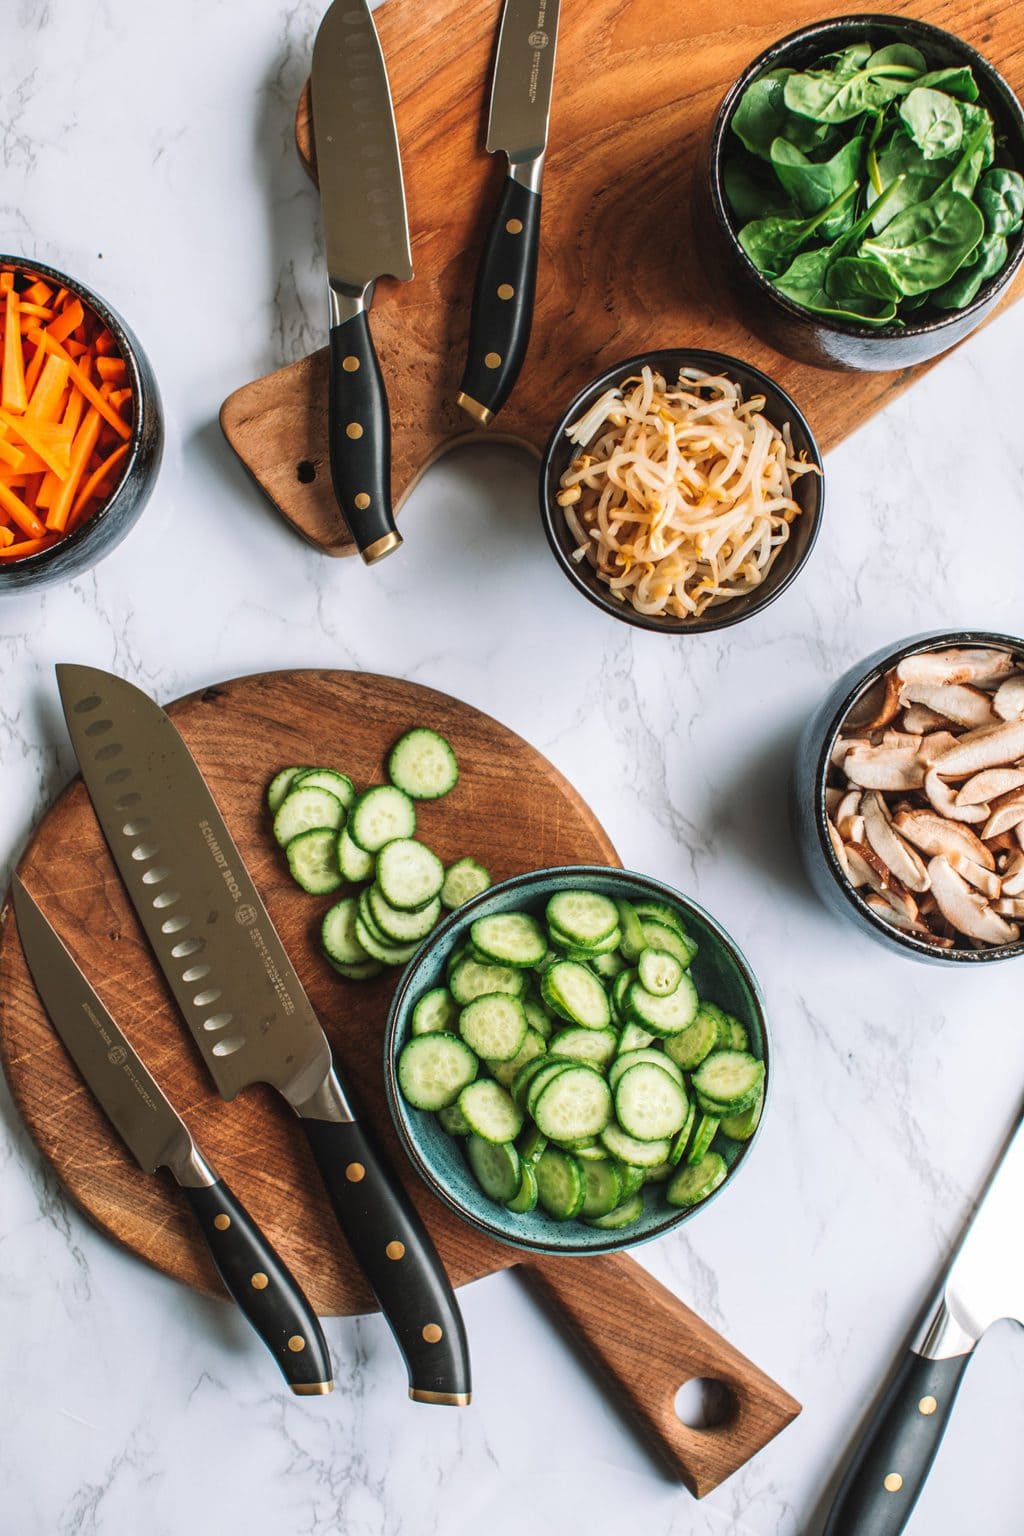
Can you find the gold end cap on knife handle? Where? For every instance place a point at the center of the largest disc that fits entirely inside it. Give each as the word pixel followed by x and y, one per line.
pixel 312 1388
pixel 381 548
pixel 449 1399
pixel 480 414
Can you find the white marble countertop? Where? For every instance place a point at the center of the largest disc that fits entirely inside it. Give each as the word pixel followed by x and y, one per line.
pixel 148 150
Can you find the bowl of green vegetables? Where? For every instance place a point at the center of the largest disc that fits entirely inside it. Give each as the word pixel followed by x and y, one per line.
pixel 577 1061
pixel 865 185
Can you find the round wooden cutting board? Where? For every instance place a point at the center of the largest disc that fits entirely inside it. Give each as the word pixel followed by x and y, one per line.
pixel 512 810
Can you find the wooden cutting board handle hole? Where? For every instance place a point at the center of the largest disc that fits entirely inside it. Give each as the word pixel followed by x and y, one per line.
pixel 704 1403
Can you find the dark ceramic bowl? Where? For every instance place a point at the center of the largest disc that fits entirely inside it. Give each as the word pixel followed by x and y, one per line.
pixel 787 326
pixel 719 969
pixel 106 528
pixel 809 491
pixel 808 797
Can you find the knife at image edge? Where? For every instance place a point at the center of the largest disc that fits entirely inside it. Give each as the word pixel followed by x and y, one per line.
pixel 157 1137
pixel 984 1283
pixel 366 234
pixel 245 1005
pixel 502 315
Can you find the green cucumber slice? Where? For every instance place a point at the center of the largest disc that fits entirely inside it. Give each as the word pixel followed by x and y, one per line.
pixel 509 938
pixel 506 1072
pixel 409 874
pixel 422 764
pixel 537 1018
pixel 531 1143
pixel 338 933
pixel 363 970
pixel 462 881
pixel 663 1015
pixel 596 1046
pixel 313 861
pixel 689 1048
pixel 659 936
pixel 741 1127
pixel 575 1105
pixel 682 1140
pixel 623 1215
pixel 354 863
pixel 607 966
pixel 435 1010
pixel 729 1081
pixel 560 1185
pixel 303 809
pixel 583 917
pixel 339 784
pixel 602 1187
pixel 525 1198
pixel 633 1038
pixel 549 1071
pixel 379 816
pixel 692 1184
pixel 659 972
pixel 280 784
pixel 496 1168
pixel 524 1077
pixel 397 926
pixel 626 1059
pixel 703 1136
pixel 434 1069
pixel 452 1120
pixel 649 1104
pixel 490 1111
pixel 627 1149
pixel 471 978
pixel 633 942
pixel 576 994
pixel 390 954
pixel 494 1026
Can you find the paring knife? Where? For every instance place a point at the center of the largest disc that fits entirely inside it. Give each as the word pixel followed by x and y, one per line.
pixel 157 1137
pixel 499 329
pixel 366 233
pixel 244 1004
pixel 984 1283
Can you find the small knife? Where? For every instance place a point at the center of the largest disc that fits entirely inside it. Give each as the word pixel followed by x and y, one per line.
pixel 984 1283
pixel 499 328
pixel 366 233
pixel 244 1004
pixel 157 1137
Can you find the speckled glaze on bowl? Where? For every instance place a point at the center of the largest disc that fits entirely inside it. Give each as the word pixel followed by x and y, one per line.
pixel 809 491
pixel 808 797
pixel 792 329
pixel 719 969
pixel 95 539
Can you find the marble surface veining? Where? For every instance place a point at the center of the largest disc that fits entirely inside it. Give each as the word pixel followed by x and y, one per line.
pixel 149 150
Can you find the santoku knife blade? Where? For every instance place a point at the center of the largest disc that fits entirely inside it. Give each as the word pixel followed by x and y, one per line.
pixel 366 233
pixel 984 1284
pixel 157 1137
pixel 244 1004
pixel 499 330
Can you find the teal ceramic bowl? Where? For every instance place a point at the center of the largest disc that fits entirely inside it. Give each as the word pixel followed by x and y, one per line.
pixel 721 974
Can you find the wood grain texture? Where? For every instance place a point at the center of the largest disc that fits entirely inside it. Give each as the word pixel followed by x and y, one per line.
pixel 513 810
pixel 621 265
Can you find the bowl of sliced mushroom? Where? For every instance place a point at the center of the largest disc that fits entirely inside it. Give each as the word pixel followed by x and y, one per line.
pixel 909 797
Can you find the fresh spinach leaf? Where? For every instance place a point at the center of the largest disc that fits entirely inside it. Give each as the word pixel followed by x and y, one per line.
pixel 772 243
pixel 957 81
pixel 933 121
pixel 860 278
pixel 926 244
pixel 909 59
pixel 761 116
pixel 963 288
pixel 752 193
pixel 814 184
pixel 1000 196
pixel 829 96
pixel 804 283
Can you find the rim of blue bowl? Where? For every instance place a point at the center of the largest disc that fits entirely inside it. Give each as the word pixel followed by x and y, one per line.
pixel 127 348
pixel 454 923
pixel 737 609
pixel 770 58
pixel 931 640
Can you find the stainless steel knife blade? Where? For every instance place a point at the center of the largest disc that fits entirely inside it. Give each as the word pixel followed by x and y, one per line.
pixel 985 1282
pixel 359 168
pixel 153 1132
pixel 523 75
pixel 212 934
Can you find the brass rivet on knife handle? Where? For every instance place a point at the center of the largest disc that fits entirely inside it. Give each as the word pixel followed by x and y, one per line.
pixel 395 1250
pixel 432 1334
pixel 350 364
pixel 354 1172
pixel 354 431
pixel 514 226
pixel 296 1343
pixel 893 1482
pixel 259 1281
pixel 506 291
pixel 222 1222
pixel 927 1405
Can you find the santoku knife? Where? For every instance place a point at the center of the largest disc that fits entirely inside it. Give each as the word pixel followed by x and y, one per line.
pixel 499 329
pixel 984 1283
pixel 157 1137
pixel 366 234
pixel 244 1004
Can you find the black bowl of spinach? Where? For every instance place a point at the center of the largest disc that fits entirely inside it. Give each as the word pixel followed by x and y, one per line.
pixel 865 179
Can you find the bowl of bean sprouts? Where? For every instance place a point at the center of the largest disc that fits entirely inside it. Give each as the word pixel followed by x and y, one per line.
pixel 682 491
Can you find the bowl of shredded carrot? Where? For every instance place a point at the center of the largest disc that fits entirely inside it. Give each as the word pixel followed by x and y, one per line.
pixel 81 431
pixel 681 491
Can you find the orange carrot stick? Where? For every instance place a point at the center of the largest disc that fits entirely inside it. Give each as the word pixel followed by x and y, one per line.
pixel 111 369
pixel 67 322
pixel 89 390
pixel 6 537
pixel 85 442
pixel 47 398
pixel 91 486
pixel 38 293
pixel 15 457
pixel 48 439
pixel 26 547
pixel 15 397
pixel 20 514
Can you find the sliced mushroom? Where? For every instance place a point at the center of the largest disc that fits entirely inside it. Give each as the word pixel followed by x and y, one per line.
pixel 833 799
pixel 843 745
pixel 1010 906
pixel 884 768
pixel 1007 813
pixel 934 745
pixel 983 880
pixel 936 836
pixel 852 829
pixel 838 849
pixel 848 806
pixel 1009 698
pixel 904 861
pixel 906 739
pixel 956 701
pixel 976 665
pixel 994 746
pixel 899 919
pixel 877 706
pixel 944 800
pixel 1013 875
pixel 966 909
pixel 918 719
pixel 989 785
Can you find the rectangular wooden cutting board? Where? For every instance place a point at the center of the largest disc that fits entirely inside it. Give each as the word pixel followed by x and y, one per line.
pixel 622 268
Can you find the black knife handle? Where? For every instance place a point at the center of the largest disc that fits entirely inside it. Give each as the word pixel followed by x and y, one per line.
pixel 359 432
pixel 264 1288
pixel 499 328
pixel 396 1254
pixel 882 1483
